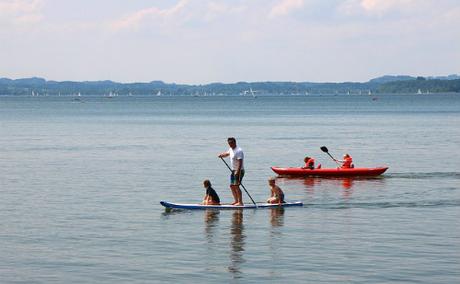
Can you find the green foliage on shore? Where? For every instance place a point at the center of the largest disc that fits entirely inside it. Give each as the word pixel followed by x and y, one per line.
pixel 413 86
pixel 385 84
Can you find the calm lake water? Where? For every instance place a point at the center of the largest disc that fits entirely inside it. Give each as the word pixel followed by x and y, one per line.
pixel 81 182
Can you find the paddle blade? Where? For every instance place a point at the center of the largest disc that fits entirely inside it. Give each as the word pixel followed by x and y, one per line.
pixel 324 149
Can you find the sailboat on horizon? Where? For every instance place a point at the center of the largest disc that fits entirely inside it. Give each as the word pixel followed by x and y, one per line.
pixel 251 92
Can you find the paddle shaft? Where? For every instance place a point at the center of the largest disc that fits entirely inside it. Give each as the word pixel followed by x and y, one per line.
pixel 240 182
pixel 325 150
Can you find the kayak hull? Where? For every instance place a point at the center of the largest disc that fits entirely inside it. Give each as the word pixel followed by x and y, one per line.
pixel 227 206
pixel 337 172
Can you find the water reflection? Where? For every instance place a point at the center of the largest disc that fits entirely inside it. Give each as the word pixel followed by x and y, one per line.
pixel 237 243
pixel 347 184
pixel 277 217
pixel 211 219
pixel 312 182
pixel 274 249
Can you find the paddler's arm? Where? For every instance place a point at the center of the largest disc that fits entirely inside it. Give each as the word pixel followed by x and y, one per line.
pixel 205 199
pixel 224 154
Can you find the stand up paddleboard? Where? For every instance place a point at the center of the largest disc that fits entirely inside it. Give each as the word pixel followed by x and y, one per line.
pixel 227 206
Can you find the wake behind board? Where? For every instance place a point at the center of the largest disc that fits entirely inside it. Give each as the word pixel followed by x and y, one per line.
pixel 227 206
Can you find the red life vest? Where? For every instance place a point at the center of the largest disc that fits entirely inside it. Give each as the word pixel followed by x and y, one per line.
pixel 347 163
pixel 310 164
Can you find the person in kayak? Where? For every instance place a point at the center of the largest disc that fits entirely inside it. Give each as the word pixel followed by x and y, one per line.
pixel 211 197
pixel 276 194
pixel 237 163
pixel 309 163
pixel 347 162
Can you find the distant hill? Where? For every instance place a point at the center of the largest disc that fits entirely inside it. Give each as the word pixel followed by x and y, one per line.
pixel 449 77
pixel 391 78
pixel 421 85
pixel 384 84
pixel 395 78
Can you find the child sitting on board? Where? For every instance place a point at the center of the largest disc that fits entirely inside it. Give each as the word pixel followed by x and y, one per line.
pixel 276 194
pixel 211 197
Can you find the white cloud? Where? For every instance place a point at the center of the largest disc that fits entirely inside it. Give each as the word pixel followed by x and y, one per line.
pixel 384 5
pixel 376 7
pixel 224 37
pixel 20 12
pixel 134 20
pixel 284 7
pixel 214 10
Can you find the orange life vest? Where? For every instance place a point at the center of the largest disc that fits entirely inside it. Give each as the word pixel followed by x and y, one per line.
pixel 310 164
pixel 347 163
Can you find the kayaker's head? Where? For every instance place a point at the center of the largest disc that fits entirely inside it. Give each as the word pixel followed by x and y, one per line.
pixel 346 156
pixel 271 181
pixel 206 183
pixel 306 159
pixel 231 142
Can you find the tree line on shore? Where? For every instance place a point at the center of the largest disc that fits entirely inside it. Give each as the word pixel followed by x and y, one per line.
pixel 385 84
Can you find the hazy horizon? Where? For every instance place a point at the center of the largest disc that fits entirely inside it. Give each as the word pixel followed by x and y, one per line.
pixel 202 42
pixel 235 82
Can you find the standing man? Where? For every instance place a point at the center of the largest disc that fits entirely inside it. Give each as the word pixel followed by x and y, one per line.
pixel 236 158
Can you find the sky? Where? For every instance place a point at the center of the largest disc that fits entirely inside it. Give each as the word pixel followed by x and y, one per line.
pixel 201 41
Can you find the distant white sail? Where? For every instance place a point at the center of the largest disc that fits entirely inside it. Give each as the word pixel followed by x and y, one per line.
pixel 253 93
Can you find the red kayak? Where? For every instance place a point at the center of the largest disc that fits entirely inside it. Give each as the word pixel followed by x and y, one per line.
pixel 337 172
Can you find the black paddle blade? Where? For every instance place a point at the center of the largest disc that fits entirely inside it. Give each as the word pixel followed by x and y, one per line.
pixel 324 149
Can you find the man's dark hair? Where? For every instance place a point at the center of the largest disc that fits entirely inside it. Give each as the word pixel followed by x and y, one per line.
pixel 231 139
